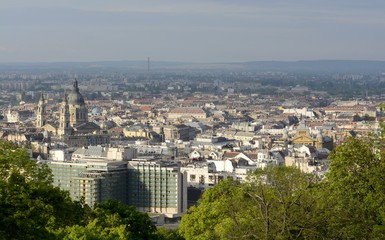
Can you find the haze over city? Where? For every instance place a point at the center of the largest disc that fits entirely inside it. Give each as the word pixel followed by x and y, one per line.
pixel 191 31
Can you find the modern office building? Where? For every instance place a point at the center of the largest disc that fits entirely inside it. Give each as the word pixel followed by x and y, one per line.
pixel 99 173
pixel 155 186
pixel 94 173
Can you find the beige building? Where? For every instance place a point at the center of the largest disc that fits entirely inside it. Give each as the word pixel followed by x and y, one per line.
pixel 187 112
pixel 137 131
pixel 303 137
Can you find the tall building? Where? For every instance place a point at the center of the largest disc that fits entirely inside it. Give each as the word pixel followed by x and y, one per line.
pixel 77 107
pixel 41 113
pixel 155 186
pixel 94 173
pixel 97 174
pixel 64 121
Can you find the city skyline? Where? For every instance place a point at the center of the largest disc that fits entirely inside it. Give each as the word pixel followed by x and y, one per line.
pixel 191 31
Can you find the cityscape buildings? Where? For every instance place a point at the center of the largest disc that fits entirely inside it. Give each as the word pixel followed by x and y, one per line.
pixel 151 142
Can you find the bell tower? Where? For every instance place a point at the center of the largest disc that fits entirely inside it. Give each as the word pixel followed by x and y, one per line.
pixel 64 122
pixel 41 113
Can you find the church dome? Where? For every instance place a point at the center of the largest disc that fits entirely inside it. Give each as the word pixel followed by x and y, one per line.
pixel 75 98
pixel 95 111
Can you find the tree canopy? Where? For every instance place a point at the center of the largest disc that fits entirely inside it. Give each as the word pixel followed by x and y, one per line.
pixel 275 203
pixel 354 193
pixel 111 220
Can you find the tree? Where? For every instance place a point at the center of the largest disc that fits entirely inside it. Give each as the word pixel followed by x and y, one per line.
pixel 15 160
pixel 112 220
pixel 275 203
pixel 215 211
pixel 29 205
pixel 168 234
pixel 354 199
pixel 285 203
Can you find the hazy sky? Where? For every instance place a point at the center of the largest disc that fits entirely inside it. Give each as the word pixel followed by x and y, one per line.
pixel 193 31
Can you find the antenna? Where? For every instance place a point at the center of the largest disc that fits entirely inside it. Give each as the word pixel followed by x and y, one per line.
pixel 148 64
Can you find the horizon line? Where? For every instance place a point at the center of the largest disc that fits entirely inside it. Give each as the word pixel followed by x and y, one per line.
pixel 190 62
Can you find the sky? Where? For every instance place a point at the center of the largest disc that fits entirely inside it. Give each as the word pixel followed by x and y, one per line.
pixel 203 31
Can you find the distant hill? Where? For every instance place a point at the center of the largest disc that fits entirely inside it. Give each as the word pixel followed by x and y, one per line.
pixel 318 66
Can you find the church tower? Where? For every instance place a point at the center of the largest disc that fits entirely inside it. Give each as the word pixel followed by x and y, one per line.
pixel 77 107
pixel 64 122
pixel 41 113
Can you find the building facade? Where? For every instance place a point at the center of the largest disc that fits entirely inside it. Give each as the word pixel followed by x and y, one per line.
pixel 94 173
pixel 159 187
pixel 97 174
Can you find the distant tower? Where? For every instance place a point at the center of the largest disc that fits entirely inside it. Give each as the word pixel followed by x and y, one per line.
pixel 40 114
pixel 148 64
pixel 64 122
pixel 319 137
pixel 77 107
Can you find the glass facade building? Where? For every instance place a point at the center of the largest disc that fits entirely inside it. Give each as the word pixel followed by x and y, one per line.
pixel 148 184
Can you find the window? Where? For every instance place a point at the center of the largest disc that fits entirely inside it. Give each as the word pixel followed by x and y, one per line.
pixel 202 179
pixel 192 178
pixel 211 178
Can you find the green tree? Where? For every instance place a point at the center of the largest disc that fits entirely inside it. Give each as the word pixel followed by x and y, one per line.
pixel 112 220
pixel 285 202
pixel 354 194
pixel 29 205
pixel 168 234
pixel 214 212
pixel 275 203
pixel 15 160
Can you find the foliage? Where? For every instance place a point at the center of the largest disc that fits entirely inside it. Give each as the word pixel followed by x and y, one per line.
pixel 112 220
pixel 15 160
pixel 29 204
pixel 218 208
pixel 168 234
pixel 284 203
pixel 355 194
pixel 276 203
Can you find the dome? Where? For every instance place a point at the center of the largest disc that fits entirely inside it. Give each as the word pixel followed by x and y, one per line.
pixel 95 111
pixel 75 98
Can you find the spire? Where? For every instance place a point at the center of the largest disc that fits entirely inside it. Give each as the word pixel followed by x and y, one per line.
pixel 41 98
pixel 75 85
pixel 65 98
